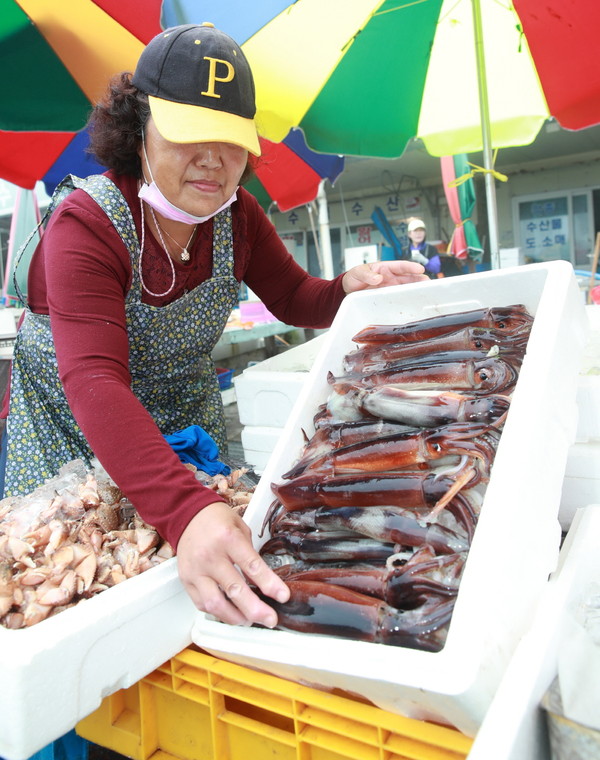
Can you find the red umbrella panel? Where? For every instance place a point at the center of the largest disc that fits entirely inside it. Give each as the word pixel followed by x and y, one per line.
pixel 289 173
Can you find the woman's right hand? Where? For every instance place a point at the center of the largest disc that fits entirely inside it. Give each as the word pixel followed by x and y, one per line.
pixel 215 546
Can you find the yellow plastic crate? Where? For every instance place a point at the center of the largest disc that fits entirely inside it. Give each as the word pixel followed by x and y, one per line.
pixel 198 707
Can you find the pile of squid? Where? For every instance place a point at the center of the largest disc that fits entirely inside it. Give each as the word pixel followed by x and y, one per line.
pixel 371 527
pixel 76 536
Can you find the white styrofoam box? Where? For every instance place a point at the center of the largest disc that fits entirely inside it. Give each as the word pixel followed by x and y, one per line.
pixel 58 671
pixel 588 403
pixel 258 444
pixel 267 391
pixel 588 390
pixel 514 727
pixel 8 331
pixel 516 542
pixel 581 484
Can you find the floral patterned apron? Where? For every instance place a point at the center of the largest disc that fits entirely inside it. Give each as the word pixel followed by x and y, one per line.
pixel 169 356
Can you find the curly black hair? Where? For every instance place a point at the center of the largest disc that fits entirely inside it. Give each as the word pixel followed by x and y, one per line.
pixel 116 126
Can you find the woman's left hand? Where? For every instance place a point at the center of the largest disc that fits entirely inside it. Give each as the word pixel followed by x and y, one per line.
pixel 381 273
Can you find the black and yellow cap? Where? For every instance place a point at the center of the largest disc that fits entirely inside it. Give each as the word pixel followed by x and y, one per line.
pixel 199 86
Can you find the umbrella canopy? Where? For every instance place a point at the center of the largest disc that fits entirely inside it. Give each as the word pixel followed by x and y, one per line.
pixel 460 195
pixel 77 46
pixel 364 77
pixel 57 61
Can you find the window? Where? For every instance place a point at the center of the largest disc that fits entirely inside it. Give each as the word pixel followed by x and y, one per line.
pixel 555 226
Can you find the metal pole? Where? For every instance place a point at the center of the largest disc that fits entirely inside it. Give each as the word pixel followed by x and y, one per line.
pixel 324 233
pixel 486 134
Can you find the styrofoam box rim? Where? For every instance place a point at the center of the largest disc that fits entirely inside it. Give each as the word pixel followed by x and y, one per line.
pixel 514 726
pixel 260 438
pixel 584 460
pixel 58 671
pixel 457 684
pixel 295 359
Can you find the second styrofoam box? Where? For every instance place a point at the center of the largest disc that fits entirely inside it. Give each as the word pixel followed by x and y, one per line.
pixel 258 444
pixel 581 484
pixel 266 392
pixel 517 539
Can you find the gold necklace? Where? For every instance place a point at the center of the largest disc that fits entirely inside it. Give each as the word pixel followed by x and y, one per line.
pixel 185 254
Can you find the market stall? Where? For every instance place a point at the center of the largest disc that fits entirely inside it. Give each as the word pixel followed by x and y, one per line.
pixel 117 661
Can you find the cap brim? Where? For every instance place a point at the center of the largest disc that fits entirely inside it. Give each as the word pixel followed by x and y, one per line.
pixel 183 123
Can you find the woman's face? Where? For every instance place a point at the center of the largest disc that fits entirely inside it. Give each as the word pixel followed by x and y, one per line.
pixel 196 177
pixel 417 236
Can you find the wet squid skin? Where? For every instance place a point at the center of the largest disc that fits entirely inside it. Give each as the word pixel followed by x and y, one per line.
pixel 420 408
pixel 385 523
pixel 405 587
pixel 324 608
pixel 407 488
pixel 329 436
pixel 325 547
pixel 404 449
pixel 476 376
pixel 454 399
pixel 371 357
pixel 504 318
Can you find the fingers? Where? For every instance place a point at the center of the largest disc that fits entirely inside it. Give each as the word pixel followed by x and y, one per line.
pixel 381 273
pixel 215 557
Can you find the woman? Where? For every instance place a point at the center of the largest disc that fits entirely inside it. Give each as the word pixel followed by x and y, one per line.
pixel 420 250
pixel 130 289
pixel 436 265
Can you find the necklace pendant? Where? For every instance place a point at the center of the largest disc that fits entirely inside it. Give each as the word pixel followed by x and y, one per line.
pixel 185 255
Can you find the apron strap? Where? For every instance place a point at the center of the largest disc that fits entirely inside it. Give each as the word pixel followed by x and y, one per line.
pixel 106 194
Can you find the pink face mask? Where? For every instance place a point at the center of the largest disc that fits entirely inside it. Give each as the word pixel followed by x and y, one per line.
pixel 150 194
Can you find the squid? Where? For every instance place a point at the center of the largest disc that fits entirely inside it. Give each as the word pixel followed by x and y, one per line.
pixel 386 523
pixel 506 319
pixel 403 587
pixel 417 448
pixel 411 489
pixel 421 408
pixel 372 357
pixel 286 548
pixel 477 376
pixel 324 608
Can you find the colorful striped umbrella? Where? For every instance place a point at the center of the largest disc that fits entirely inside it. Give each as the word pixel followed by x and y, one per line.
pixel 77 45
pixel 363 77
pixel 57 60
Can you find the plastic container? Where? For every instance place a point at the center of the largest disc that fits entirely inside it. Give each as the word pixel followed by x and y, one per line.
pixel 255 311
pixel 225 377
pixel 581 484
pixel 258 444
pixel 58 671
pixel 504 576
pixel 515 726
pixel 68 747
pixel 267 391
pixel 196 707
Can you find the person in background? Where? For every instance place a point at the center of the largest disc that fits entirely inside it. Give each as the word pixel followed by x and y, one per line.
pixel 129 290
pixel 420 250
pixel 436 265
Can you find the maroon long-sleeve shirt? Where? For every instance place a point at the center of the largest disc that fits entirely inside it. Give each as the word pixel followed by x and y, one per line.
pixel 80 274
